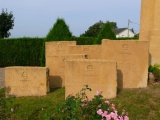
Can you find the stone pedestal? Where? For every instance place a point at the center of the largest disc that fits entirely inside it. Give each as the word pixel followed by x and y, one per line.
pixel 132 61
pixel 26 81
pixel 97 74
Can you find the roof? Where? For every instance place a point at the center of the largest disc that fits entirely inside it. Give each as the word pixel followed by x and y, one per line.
pixel 119 30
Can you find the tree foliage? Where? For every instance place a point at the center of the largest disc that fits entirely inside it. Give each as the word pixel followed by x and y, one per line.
pixel 113 25
pixel 95 28
pixel 59 32
pixel 6 23
pixel 105 33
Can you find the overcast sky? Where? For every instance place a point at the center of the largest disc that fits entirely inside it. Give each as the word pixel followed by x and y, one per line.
pixel 34 18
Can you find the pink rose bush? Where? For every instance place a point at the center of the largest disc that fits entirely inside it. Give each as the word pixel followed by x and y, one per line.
pixel 80 107
pixel 111 113
pixel 111 116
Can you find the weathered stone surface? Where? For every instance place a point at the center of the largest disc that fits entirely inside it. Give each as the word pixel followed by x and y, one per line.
pixel 56 66
pixel 2 77
pixel 150 28
pixel 92 51
pixel 26 81
pixel 154 50
pixel 98 74
pixel 147 16
pixel 132 61
pixel 56 53
pixel 58 48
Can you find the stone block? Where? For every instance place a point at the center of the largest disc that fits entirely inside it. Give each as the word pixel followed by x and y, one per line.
pixel 132 61
pixel 147 18
pixel 92 51
pixel 26 81
pixel 154 50
pixel 150 28
pixel 58 48
pixel 97 74
pixel 56 66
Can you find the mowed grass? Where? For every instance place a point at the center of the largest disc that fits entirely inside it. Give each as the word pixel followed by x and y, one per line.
pixel 141 104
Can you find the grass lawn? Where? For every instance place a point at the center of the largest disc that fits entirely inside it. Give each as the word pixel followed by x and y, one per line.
pixel 141 104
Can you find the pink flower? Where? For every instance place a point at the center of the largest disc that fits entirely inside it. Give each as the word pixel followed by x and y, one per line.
pixel 100 112
pixel 108 117
pixel 99 92
pixel 115 117
pixel 107 102
pixel 113 107
pixel 120 118
pixel 105 113
pixel 126 118
pixel 89 100
pixel 116 112
pixel 112 114
pixel 83 105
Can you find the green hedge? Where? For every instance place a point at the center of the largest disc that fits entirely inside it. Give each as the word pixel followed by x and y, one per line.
pixel 90 40
pixel 127 38
pixel 28 51
pixel 20 52
pixel 84 40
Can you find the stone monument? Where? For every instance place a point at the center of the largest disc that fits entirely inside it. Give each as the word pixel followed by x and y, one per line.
pixel 56 54
pixel 98 74
pixel 26 81
pixel 132 61
pixel 92 51
pixel 150 28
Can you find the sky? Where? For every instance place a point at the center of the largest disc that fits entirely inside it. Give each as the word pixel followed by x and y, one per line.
pixel 34 18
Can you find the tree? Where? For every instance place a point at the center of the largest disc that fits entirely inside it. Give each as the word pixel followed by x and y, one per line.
pixel 60 31
pixel 95 28
pixel 113 25
pixel 105 33
pixel 6 23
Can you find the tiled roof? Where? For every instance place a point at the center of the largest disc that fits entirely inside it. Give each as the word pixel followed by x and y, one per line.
pixel 119 30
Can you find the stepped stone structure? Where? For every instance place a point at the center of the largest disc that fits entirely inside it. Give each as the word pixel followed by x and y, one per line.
pixel 132 61
pixel 26 81
pixel 92 51
pixel 115 63
pixel 58 48
pixel 150 28
pixel 57 68
pixel 98 74
pixel 56 53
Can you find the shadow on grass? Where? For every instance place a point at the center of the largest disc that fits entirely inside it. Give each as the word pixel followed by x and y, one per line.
pixel 119 90
pixel 2 93
pixel 54 89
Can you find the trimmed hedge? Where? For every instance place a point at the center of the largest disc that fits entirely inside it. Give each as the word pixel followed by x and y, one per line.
pixel 20 52
pixel 127 38
pixel 28 51
pixel 84 40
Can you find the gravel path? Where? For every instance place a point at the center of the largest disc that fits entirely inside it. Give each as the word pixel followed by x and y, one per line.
pixel 2 77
